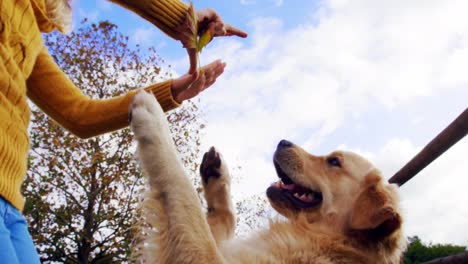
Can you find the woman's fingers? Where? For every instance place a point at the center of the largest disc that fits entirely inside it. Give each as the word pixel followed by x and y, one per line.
pixel 219 29
pixel 213 73
pixel 210 20
pixel 187 86
pixel 233 31
pixel 214 69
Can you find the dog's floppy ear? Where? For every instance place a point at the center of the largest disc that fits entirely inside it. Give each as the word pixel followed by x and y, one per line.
pixel 374 212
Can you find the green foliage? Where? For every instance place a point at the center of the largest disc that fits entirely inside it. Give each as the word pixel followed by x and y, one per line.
pixel 82 194
pixel 418 252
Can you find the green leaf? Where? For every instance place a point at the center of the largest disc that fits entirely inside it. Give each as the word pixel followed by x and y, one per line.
pixel 204 40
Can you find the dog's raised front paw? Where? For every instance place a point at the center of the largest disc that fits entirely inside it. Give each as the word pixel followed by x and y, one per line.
pixel 217 188
pixel 212 166
pixel 147 117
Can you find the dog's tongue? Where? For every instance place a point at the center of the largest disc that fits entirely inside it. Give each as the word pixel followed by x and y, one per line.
pixel 294 188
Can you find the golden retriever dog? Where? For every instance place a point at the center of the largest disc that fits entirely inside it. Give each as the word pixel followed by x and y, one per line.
pixel 337 208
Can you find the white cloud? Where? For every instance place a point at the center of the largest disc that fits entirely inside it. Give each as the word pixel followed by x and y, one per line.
pixel 104 5
pixel 311 81
pixel 276 3
pixel 92 16
pixel 247 2
pixel 317 75
pixel 148 36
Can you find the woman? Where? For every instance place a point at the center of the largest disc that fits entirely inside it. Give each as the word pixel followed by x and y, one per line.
pixel 27 70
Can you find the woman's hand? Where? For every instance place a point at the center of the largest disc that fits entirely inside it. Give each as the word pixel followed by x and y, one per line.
pixel 187 87
pixel 209 20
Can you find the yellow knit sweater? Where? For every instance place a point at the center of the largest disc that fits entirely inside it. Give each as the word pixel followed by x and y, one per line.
pixel 27 70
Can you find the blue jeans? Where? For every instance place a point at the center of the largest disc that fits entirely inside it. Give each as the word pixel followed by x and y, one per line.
pixel 16 245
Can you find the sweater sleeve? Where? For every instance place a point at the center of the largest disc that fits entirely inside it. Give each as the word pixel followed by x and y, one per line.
pixel 167 15
pixel 51 90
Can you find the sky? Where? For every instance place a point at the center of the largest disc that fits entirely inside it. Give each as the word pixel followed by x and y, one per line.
pixel 381 78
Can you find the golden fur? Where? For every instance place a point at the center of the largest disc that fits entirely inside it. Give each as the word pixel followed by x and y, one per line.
pixel 346 214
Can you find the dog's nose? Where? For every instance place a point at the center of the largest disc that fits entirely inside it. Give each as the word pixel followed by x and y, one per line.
pixel 284 144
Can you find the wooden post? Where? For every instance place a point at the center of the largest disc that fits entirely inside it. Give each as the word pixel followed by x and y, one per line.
pixel 461 258
pixel 447 138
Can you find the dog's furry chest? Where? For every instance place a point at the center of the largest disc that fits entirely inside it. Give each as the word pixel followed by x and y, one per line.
pixel 274 246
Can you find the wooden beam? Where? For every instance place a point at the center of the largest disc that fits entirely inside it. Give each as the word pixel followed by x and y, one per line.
pixel 447 138
pixel 461 258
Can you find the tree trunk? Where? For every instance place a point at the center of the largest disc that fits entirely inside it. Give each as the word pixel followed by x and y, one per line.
pixel 84 250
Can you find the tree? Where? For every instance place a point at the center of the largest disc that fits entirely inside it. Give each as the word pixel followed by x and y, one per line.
pixel 82 194
pixel 418 252
pixel 253 213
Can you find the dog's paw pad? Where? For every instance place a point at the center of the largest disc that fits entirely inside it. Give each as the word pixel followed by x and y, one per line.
pixel 210 166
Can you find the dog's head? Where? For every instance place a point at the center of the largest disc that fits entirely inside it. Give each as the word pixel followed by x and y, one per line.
pixel 342 191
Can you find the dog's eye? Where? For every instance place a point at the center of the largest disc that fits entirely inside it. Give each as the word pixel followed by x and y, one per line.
pixel 334 162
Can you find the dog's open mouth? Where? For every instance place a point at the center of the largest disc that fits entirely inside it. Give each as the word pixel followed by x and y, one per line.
pixel 300 196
